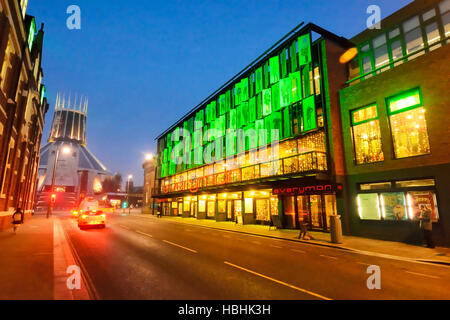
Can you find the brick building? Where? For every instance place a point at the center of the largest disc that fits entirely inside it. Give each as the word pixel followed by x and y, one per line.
pixel 22 107
pixel 396 137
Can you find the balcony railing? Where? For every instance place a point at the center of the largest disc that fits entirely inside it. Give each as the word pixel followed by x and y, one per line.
pixel 309 162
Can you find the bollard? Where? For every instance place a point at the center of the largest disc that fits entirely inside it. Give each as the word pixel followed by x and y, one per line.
pixel 336 229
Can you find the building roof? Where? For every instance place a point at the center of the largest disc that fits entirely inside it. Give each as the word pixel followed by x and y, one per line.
pixel 86 160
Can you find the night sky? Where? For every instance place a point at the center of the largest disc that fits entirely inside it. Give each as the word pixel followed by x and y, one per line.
pixel 143 64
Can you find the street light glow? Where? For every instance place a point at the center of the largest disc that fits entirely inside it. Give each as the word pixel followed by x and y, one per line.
pixel 148 157
pixel 66 150
pixel 130 176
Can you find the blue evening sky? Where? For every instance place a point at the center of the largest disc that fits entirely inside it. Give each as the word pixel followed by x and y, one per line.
pixel 145 63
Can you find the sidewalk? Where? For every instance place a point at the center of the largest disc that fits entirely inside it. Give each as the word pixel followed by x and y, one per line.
pixel 387 249
pixel 33 262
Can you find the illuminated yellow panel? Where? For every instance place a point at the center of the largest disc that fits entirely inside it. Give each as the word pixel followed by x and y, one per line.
pixel 404 101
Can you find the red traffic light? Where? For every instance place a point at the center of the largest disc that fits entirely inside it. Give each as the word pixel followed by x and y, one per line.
pixel 53 197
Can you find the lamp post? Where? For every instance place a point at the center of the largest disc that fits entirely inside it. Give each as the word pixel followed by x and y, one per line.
pixel 65 150
pixel 128 192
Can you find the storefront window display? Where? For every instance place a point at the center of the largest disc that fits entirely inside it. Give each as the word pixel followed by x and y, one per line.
pixel 408 124
pixel 367 135
pixel 262 210
pixel 398 205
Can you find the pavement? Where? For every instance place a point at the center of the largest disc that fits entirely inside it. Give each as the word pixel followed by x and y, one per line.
pixel 141 257
pixel 386 249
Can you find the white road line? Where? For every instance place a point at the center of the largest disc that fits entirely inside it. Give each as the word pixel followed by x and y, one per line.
pixel 125 227
pixel 278 281
pixel 423 275
pixel 363 263
pixel 177 245
pixel 145 234
pixel 273 246
pixel 299 251
pixel 329 257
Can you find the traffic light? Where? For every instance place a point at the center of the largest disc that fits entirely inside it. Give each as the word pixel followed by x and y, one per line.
pixel 124 205
pixel 53 198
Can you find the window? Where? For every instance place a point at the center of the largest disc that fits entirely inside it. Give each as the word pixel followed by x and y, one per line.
pixel 366 135
pixel 413 36
pixel 380 52
pixel 408 125
pixel 375 186
pixel 433 36
pixel 368 206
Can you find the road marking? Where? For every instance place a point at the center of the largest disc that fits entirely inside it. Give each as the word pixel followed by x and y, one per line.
pixel 273 246
pixel 363 263
pixel 299 251
pixel 177 245
pixel 125 227
pixel 329 257
pixel 423 275
pixel 145 234
pixel 278 281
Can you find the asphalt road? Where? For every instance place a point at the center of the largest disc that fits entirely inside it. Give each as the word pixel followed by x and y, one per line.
pixel 147 258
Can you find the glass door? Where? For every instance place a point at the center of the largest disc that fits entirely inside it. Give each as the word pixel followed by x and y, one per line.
pixel 230 215
pixel 316 211
pixel 303 209
pixel 238 211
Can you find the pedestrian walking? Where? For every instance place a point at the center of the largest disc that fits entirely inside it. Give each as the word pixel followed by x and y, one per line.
pixel 304 235
pixel 17 218
pixel 426 225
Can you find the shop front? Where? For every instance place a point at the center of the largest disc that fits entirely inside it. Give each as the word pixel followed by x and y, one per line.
pixel 313 204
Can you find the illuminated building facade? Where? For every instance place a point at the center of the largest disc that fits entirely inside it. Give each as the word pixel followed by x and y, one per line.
pixel 273 126
pixel 23 106
pixel 78 173
pixel 363 137
pixel 396 137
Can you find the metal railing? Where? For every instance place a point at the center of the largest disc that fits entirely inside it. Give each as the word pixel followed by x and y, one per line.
pixel 308 162
pixel 401 59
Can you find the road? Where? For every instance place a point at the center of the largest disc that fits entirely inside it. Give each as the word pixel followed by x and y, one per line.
pixel 138 257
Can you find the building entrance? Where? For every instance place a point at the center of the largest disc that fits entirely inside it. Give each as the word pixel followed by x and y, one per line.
pixel 316 210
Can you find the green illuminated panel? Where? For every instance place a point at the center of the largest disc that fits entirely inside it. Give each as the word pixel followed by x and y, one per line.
pixel 259 80
pixel 222 105
pixel 274 69
pixel 198 156
pixel 276 96
pixel 31 34
pixel 237 94
pixel 232 120
pixel 296 86
pixel 285 92
pixel 276 124
pixel 259 126
pixel 309 114
pixel 286 123
pixel 221 125
pixel 244 89
pixel 293 54
pixel 266 75
pixel 251 141
pixel 230 144
pixel 228 100
pixel 259 104
pixel 266 102
pixel 251 86
pixel 239 120
pixel 283 64
pixel 252 109
pixel 307 90
pixel 304 48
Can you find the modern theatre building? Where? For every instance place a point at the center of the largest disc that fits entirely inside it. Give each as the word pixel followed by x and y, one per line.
pixel 304 132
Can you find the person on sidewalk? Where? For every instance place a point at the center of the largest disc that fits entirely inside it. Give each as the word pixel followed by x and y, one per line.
pixel 304 235
pixel 426 225
pixel 17 218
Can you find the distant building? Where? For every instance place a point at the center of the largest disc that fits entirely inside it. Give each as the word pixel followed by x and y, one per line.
pixel 78 172
pixel 149 184
pixel 23 106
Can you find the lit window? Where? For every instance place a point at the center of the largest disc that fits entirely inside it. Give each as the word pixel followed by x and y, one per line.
pixel 368 206
pixel 367 135
pixel 433 36
pixel 408 125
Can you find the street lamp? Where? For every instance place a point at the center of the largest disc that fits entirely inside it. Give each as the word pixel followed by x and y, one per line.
pixel 64 150
pixel 128 190
pixel 148 157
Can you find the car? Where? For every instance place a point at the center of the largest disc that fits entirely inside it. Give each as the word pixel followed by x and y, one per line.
pixel 88 204
pixel 92 218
